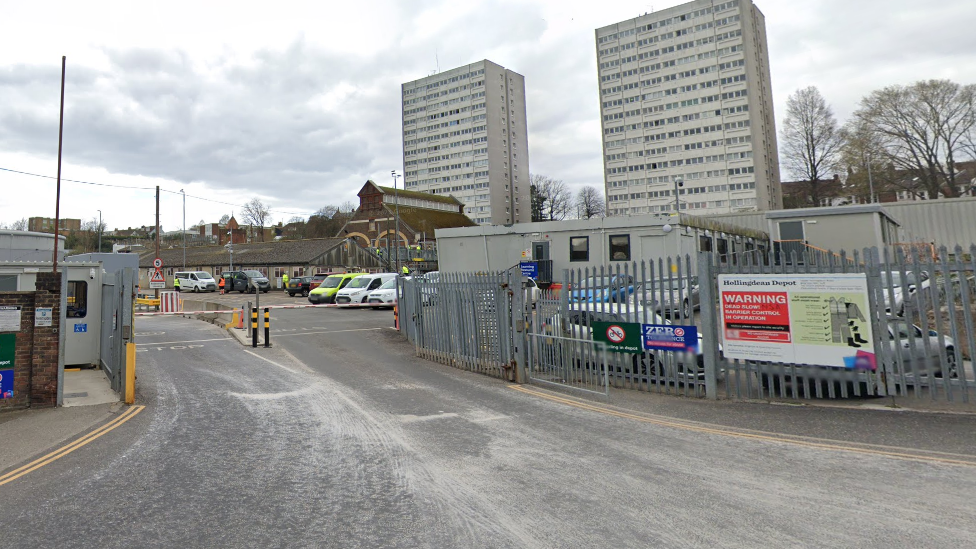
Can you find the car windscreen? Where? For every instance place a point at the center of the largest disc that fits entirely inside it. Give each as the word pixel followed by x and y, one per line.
pixel 202 275
pixel 254 274
pixel 389 284
pixel 360 282
pixel 331 282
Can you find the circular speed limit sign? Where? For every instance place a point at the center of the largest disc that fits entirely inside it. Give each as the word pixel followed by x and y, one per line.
pixel 157 263
pixel 616 334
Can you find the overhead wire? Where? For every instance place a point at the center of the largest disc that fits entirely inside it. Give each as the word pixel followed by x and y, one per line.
pixel 134 187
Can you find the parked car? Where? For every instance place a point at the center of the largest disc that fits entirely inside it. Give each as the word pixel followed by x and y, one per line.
pixel 532 290
pixel 299 285
pixel 668 297
pixel 316 280
pixel 385 295
pixel 900 336
pixel 357 291
pixel 196 281
pixel 326 291
pixel 915 365
pixel 603 289
pixel 580 320
pixel 428 292
pixel 257 281
pixel 915 289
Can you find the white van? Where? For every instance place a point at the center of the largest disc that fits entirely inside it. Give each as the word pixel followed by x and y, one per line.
pixel 196 281
pixel 359 288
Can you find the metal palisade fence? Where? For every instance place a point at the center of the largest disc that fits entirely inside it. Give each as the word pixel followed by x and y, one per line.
pixel 917 320
pixel 891 323
pixel 463 320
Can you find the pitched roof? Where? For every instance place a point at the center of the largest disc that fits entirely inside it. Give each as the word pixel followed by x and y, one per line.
pixel 449 199
pixel 282 252
pixel 423 220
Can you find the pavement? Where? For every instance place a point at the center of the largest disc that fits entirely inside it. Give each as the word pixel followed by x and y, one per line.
pixel 338 436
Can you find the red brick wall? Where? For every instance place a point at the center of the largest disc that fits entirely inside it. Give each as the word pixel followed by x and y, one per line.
pixel 36 359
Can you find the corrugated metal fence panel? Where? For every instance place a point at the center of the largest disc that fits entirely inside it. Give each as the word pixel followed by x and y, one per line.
pixel 946 222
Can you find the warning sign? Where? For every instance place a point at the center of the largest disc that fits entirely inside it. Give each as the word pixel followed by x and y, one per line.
pixel 157 280
pixel 812 319
pixel 756 316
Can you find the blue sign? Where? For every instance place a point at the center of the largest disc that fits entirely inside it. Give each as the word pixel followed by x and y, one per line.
pixel 664 337
pixel 530 269
pixel 81 328
pixel 6 384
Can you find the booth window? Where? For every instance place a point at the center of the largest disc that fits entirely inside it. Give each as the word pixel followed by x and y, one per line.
pixel 77 299
pixel 579 248
pixel 620 247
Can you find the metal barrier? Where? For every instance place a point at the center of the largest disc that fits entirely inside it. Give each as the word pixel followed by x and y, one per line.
pixel 569 363
pixel 463 320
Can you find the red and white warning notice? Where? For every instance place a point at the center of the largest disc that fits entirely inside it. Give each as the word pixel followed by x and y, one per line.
pixel 756 316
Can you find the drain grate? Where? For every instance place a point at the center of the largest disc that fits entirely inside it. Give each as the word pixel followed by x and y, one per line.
pixel 76 395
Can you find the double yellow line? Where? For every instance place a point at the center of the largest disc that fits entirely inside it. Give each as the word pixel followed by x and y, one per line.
pixel 897 453
pixel 71 447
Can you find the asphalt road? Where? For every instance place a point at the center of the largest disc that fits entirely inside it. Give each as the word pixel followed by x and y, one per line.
pixel 339 437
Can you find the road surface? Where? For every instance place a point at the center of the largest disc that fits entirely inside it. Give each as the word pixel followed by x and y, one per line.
pixel 339 437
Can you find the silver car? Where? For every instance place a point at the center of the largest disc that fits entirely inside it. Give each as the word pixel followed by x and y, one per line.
pixel 669 297
pixel 913 357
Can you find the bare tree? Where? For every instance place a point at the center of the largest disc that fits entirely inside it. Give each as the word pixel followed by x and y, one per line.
pixel 554 196
pixel 924 129
pixel 224 219
pixel 810 139
pixel 88 236
pixel 256 214
pixel 19 225
pixel 589 203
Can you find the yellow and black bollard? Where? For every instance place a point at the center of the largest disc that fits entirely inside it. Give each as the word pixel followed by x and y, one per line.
pixel 396 317
pixel 267 327
pixel 254 327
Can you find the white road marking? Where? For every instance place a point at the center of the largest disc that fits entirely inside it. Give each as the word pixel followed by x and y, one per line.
pixel 410 418
pixel 331 332
pixel 286 368
pixel 275 396
pixel 155 343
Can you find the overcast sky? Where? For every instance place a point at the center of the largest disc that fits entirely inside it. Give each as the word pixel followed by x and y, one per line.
pixel 298 103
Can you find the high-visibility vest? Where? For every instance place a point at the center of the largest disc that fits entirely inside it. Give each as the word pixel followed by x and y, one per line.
pixel 284 278
pixel 176 283
pixel 221 283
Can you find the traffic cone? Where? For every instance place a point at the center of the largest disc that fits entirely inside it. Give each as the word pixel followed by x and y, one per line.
pixel 240 320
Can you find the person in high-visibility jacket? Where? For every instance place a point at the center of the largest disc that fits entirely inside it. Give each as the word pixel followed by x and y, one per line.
pixel 220 285
pixel 284 281
pixel 176 284
pixel 406 271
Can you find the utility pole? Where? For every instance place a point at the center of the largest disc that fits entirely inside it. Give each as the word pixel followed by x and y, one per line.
pixel 57 201
pixel 157 230
pixel 184 228
pixel 396 228
pixel 99 231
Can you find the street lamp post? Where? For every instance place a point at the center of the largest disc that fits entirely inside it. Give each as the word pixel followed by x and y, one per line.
pixel 230 248
pixel 99 231
pixel 678 182
pixel 870 180
pixel 184 228
pixel 396 228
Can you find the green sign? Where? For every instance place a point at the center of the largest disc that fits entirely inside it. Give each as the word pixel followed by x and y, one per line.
pixel 620 337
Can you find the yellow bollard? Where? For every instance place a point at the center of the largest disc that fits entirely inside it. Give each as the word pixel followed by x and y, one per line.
pixel 130 373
